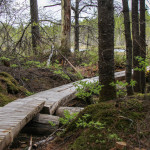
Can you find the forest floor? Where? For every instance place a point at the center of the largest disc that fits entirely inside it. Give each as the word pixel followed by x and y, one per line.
pixel 128 122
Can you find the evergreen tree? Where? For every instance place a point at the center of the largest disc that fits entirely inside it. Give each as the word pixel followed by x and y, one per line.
pixel 106 48
pixel 136 45
pixel 128 46
pixel 142 41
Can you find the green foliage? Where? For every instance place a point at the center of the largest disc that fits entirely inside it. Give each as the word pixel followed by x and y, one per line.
pixel 121 90
pixel 14 66
pixel 143 63
pixel 132 83
pixel 114 136
pixel 67 117
pixel 57 69
pixel 37 64
pixel 52 123
pixel 121 87
pixel 86 89
pixel 29 93
pixel 82 122
pixel 92 56
pixel 4 58
pixel 79 76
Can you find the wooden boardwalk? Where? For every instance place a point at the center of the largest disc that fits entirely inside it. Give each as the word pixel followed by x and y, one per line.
pixel 15 115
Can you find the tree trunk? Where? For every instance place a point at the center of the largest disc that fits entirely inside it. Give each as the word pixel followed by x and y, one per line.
pixel 106 48
pixel 76 28
pixel 66 27
pixel 142 41
pixel 128 46
pixel 136 42
pixel 34 25
pixel 88 36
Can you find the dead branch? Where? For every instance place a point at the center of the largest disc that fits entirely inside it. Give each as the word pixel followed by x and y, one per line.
pixel 30 147
pixel 68 62
pixel 49 138
pixel 19 41
pixel 52 5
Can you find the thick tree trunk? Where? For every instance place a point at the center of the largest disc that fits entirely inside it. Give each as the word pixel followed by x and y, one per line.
pixel 66 27
pixel 142 41
pixel 106 48
pixel 136 43
pixel 34 25
pixel 76 28
pixel 128 46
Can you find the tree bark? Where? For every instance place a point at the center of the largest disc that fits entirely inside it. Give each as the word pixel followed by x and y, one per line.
pixel 106 48
pixel 34 25
pixel 76 28
pixel 128 46
pixel 136 43
pixel 142 41
pixel 66 27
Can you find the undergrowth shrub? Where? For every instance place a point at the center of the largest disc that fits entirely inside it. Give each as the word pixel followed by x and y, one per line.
pixel 85 89
pixel 67 117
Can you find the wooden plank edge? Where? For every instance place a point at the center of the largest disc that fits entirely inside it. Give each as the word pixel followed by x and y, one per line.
pixel 9 137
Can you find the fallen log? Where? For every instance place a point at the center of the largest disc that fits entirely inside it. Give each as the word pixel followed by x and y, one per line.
pixel 71 110
pixel 42 124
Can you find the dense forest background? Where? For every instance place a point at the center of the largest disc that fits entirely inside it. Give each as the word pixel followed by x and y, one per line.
pixel 16 33
pixel 41 49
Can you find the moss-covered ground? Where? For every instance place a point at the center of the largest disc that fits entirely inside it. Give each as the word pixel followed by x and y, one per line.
pixel 9 89
pixel 127 122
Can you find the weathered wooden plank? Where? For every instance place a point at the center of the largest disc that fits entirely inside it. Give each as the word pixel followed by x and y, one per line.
pixel 57 96
pixel 10 125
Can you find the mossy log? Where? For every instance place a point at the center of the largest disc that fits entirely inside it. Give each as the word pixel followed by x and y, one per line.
pixel 42 124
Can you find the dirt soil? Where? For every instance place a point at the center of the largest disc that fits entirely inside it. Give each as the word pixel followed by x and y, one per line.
pixel 35 79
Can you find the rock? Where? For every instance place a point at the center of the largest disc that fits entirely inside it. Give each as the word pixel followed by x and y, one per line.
pixel 121 145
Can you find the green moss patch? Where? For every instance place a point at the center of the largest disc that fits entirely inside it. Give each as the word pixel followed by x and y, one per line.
pixel 4 99
pixel 9 89
pixel 119 123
